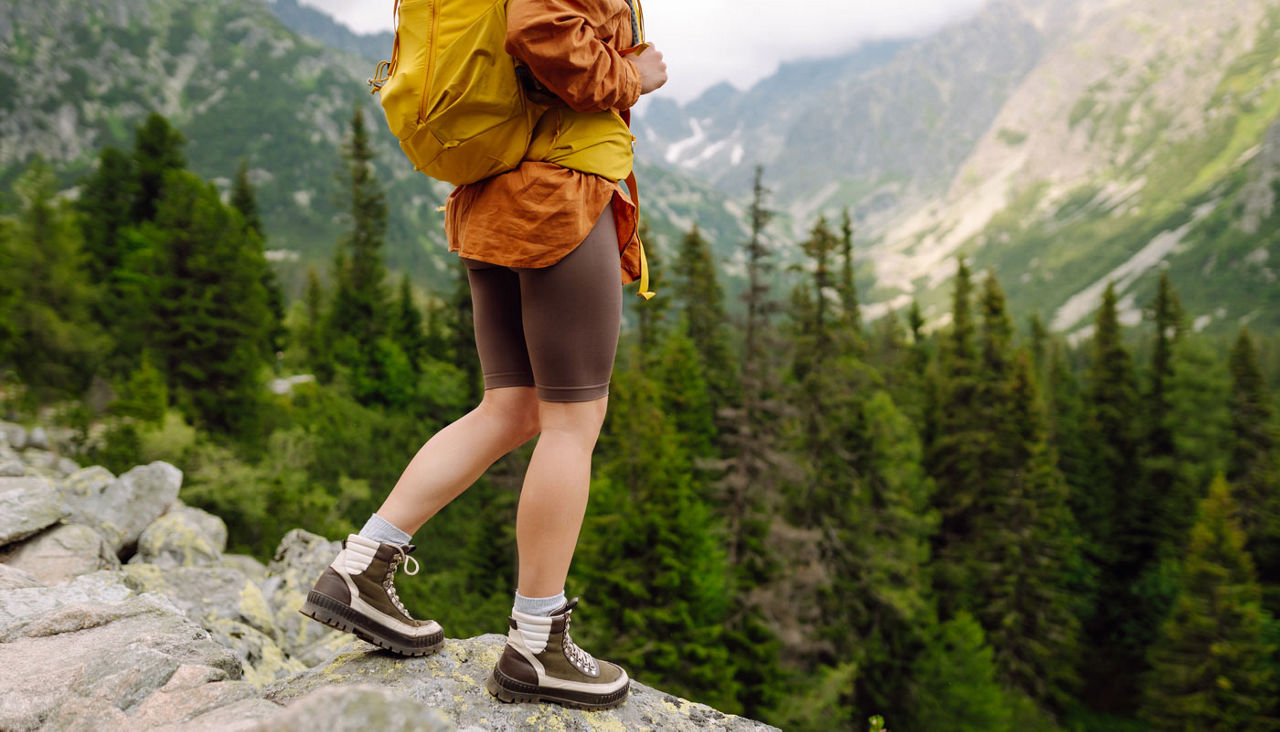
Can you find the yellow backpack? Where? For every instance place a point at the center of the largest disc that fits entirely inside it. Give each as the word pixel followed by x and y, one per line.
pixel 450 91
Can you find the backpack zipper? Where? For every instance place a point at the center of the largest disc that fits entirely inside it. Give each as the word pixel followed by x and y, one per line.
pixel 433 8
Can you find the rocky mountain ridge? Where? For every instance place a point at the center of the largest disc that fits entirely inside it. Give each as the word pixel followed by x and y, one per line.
pixel 120 610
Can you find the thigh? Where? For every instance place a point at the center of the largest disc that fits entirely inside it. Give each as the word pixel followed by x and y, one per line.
pixel 572 312
pixel 499 329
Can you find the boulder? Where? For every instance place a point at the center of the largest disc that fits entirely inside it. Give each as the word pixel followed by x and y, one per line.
pixel 12 578
pixel 183 537
pixel 298 563
pixel 247 565
pixel 190 692
pixel 227 604
pixel 61 553
pixel 27 505
pixel 120 508
pixel 21 605
pixel 14 435
pixel 12 468
pixel 356 708
pixel 453 681
pixel 89 665
pixel 38 439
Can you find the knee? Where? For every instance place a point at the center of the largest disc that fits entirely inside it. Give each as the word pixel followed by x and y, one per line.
pixel 583 419
pixel 517 408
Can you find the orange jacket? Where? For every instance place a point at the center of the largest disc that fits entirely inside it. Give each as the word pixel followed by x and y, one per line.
pixel 536 214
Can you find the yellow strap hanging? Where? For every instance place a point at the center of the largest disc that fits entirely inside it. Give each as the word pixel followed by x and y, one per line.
pixel 644 261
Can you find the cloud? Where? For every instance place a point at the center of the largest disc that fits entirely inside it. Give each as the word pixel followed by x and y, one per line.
pixel 741 41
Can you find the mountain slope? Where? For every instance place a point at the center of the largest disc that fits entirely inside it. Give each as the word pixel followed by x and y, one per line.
pixel 1126 150
pixel 1060 143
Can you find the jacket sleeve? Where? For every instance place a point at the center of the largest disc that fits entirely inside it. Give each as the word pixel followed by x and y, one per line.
pixel 558 41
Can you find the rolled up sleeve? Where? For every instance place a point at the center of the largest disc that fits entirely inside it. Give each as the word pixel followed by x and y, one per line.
pixel 558 40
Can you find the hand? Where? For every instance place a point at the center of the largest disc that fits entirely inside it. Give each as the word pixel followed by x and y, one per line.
pixel 653 70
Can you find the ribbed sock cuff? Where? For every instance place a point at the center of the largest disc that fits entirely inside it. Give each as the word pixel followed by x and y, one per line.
pixel 380 529
pixel 540 606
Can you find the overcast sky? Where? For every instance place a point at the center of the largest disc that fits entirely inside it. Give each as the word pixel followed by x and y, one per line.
pixel 740 41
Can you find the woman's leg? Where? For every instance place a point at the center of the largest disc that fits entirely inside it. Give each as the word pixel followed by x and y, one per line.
pixel 571 314
pixel 554 498
pixel 456 456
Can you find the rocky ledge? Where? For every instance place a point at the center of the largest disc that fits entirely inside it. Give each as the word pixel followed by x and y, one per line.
pixel 119 608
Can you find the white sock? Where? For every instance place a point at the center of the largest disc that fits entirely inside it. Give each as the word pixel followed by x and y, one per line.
pixel 380 529
pixel 541 606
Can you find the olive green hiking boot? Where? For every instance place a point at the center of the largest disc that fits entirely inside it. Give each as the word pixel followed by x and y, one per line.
pixel 357 594
pixel 541 663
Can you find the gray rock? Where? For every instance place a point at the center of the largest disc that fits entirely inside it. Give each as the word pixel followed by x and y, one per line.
pixel 66 466
pixel 227 604
pixel 183 537
pixel 453 681
pixel 247 565
pixel 61 553
pixel 40 460
pixel 85 665
pixel 38 438
pixel 356 708
pixel 238 717
pixel 121 508
pixel 298 563
pixel 12 578
pixel 27 505
pixel 15 435
pixel 23 605
pixel 189 693
pixel 12 469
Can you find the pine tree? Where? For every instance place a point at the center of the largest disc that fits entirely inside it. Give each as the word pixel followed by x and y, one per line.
pixel 47 333
pixel 1208 666
pixel 960 448
pixel 1111 405
pixel 360 304
pixel 703 313
pixel 407 328
pixel 1253 465
pixel 745 489
pixel 157 149
pixel 210 303
pixel 1103 508
pixel 956 684
pixel 244 201
pixel 105 203
pixel 851 314
pixel 1027 554
pixel 1162 511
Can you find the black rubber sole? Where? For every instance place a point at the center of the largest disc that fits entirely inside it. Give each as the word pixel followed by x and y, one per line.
pixel 328 611
pixel 511 691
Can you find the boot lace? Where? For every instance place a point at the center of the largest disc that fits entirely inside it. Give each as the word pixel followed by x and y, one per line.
pixel 580 659
pixel 388 584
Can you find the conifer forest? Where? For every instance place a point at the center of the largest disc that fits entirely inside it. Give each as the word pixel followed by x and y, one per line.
pixel 797 514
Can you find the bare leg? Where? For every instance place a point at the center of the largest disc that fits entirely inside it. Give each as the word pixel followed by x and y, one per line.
pixel 456 456
pixel 554 498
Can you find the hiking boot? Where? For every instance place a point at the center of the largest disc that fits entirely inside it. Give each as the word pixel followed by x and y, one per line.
pixel 542 664
pixel 357 594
